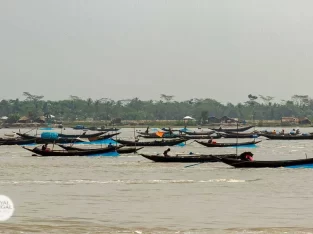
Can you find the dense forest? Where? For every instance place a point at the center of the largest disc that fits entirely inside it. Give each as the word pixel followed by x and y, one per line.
pixel 256 107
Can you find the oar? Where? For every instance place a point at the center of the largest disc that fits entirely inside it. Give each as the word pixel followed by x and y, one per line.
pixel 193 164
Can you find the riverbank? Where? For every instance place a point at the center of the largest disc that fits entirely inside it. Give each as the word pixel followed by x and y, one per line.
pixel 151 124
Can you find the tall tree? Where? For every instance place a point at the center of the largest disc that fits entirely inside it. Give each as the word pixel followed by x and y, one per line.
pixel 35 99
pixel 167 98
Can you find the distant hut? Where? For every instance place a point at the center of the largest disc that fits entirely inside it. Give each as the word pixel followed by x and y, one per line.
pixel 24 119
pixel 226 119
pixel 289 120
pixel 213 119
pixel 304 120
pixel 40 119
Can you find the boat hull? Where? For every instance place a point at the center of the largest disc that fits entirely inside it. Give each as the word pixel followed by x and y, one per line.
pixel 227 144
pixel 186 158
pixel 151 143
pixel 241 129
pixel 262 164
pixel 38 151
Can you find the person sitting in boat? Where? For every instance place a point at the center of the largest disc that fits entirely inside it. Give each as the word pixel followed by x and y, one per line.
pixel 282 132
pixel 246 156
pixel 297 131
pixel 147 130
pixel 165 153
pixel 211 141
pixel 274 131
pixel 45 147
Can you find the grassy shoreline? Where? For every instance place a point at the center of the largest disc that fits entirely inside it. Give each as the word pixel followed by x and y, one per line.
pixel 154 124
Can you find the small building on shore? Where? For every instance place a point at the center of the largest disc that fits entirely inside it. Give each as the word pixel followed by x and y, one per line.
pixel 24 119
pixel 304 120
pixel 295 120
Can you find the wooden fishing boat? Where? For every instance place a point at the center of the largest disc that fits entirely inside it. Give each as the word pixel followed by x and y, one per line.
pixel 103 137
pixel 187 158
pixel 191 137
pixel 194 137
pixel 18 141
pixel 83 135
pixel 239 135
pixel 288 137
pixel 69 153
pixel 151 143
pixel 259 164
pixel 200 133
pixel 240 129
pixel 120 149
pixel 173 130
pixel 25 136
pixel 227 144
pixel 155 136
pixel 59 140
pixel 128 150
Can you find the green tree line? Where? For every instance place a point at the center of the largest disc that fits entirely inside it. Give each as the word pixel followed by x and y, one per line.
pixel 256 107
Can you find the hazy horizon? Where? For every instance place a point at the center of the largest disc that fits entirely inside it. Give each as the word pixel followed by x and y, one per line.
pixel 120 49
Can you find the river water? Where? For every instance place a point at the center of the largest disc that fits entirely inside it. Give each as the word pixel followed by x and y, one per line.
pixel 130 194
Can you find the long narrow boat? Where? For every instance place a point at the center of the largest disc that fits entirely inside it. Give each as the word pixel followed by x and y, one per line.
pixel 239 135
pixel 241 129
pixel 128 150
pixel 18 141
pixel 200 133
pixel 83 135
pixel 193 137
pixel 155 136
pixel 288 137
pixel 103 137
pixel 26 136
pixel 187 158
pixel 189 137
pixel 67 139
pixel 151 143
pixel 227 144
pixel 59 140
pixel 173 130
pixel 120 150
pixel 70 153
pixel 259 164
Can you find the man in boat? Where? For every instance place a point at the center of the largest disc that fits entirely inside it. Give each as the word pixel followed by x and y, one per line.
pixel 210 140
pixel 246 156
pixel 147 130
pixel 45 147
pixel 165 153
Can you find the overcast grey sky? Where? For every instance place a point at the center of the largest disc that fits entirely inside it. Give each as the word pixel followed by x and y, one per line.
pixel 222 49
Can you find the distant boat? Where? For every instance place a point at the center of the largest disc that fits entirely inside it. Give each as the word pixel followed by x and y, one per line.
pixel 187 158
pixel 260 164
pixel 241 129
pixel 227 144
